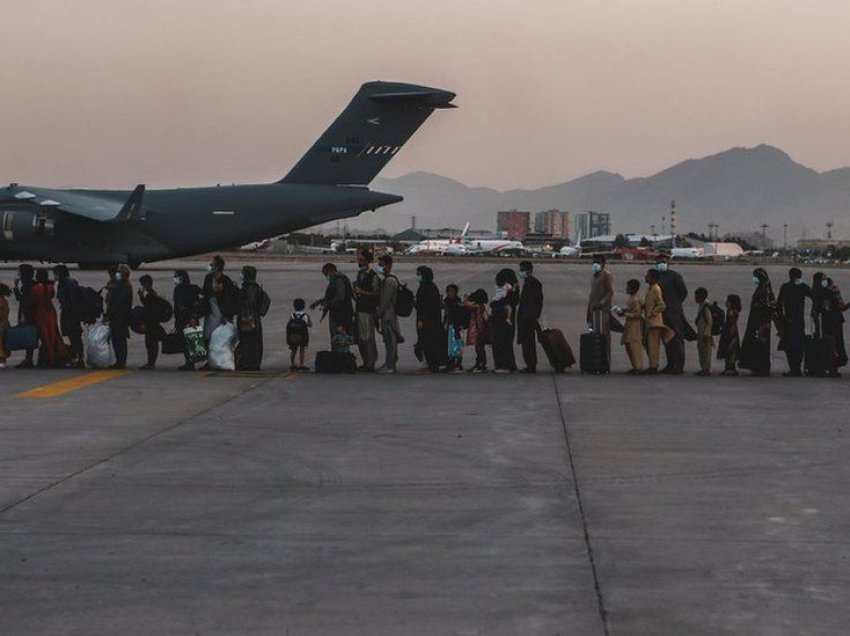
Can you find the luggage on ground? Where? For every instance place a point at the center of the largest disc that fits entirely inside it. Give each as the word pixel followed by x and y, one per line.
pixel 335 362
pixel 593 350
pixel 819 355
pixel 195 344
pixel 21 337
pixel 557 349
pixel 99 350
pixel 222 346
pixel 173 343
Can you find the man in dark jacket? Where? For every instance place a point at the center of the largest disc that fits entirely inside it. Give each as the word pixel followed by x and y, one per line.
pixel 221 294
pixel 119 305
pixel 675 292
pixel 67 293
pixel 791 309
pixel 528 315
pixel 367 290
pixel 337 300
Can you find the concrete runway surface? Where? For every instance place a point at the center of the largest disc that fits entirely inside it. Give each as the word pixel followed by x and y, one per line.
pixel 277 503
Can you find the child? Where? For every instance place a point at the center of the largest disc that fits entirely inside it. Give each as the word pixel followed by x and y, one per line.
pixel 704 322
pixel 633 329
pixel 475 303
pixel 453 319
pixel 656 331
pixel 297 334
pixel 730 343
pixel 5 292
pixel 341 341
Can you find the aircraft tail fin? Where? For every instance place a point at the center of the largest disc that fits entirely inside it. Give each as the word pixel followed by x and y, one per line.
pixel 368 133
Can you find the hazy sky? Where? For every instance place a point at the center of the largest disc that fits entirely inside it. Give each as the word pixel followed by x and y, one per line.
pixel 191 92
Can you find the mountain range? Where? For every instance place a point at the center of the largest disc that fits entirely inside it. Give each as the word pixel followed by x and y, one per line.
pixel 739 190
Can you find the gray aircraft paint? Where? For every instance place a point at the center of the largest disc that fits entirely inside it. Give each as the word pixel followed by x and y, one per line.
pixel 101 227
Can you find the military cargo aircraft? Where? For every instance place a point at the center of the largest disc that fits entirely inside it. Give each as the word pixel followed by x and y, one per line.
pixel 98 228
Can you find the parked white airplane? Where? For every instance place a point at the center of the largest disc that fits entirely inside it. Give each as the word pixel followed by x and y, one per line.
pixel 437 246
pixel 483 247
pixel 687 253
pixel 571 251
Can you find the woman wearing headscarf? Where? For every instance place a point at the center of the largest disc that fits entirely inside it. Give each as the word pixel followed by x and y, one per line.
pixel 503 305
pixel 429 320
pixel 53 352
pixel 828 310
pixel 755 348
pixel 188 308
pixel 249 323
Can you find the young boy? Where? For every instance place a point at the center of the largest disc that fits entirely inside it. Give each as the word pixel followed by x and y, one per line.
pixel 633 330
pixel 298 335
pixel 453 319
pixel 704 322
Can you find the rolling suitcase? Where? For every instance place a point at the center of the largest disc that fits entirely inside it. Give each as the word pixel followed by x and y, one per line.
pixel 335 362
pixel 557 349
pixel 819 354
pixel 21 337
pixel 593 350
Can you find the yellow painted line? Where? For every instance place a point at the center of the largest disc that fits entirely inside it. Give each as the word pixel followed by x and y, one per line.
pixel 73 384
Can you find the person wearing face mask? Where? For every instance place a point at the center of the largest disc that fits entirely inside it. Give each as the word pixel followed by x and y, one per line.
pixel 68 295
pixel 187 308
pixel 503 304
pixel 336 303
pixel 528 315
pixel 828 313
pixel 367 290
pixel 119 305
pixel 791 314
pixel 429 323
pixel 675 292
pixel 250 322
pixel 599 300
pixel 388 325
pixel 152 327
pixel 755 348
pixel 222 296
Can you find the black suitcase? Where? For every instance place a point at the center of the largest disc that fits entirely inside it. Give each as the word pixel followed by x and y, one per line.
pixel 593 349
pixel 820 355
pixel 335 362
pixel 557 349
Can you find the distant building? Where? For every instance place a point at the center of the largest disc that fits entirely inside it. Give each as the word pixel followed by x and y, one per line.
pixel 821 245
pixel 555 223
pixel 592 224
pixel 513 224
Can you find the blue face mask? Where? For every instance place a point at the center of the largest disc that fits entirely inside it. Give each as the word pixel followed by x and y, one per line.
pixel 418 279
pixel 824 284
pixel 523 274
pixel 597 268
pixel 661 267
pixel 756 280
pixel 798 281
pixel 379 269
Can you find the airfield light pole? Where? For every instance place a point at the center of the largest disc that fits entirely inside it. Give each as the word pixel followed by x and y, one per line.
pixel 784 237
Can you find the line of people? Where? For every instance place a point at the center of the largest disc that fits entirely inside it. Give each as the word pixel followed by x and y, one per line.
pixel 357 313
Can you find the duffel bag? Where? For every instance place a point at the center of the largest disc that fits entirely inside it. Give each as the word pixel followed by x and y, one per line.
pixel 21 338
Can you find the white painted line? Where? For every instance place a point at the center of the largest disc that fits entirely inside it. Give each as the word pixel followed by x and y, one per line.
pixel 223 212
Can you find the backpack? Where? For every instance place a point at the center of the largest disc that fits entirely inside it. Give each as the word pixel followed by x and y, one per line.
pixel 264 302
pixel 296 332
pixel 160 309
pixel 405 302
pixel 90 304
pixel 718 319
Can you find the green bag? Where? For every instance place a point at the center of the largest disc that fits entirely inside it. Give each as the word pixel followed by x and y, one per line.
pixel 196 345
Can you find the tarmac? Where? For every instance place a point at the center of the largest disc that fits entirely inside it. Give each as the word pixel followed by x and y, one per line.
pixel 281 503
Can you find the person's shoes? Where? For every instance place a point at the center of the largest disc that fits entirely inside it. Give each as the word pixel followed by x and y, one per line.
pixel 456 370
pixel 666 369
pixel 634 372
pixel 364 369
pixel 424 371
pixel 186 367
pixel 293 368
pixel 25 364
pixel 206 367
pixel 675 372
pixel 501 371
pixel 792 374
pixel 729 372
pixel 703 373
pixel 651 371
pixel 118 367
pixel 303 368
pixel 146 367
pixel 833 374
pixel 528 370
pixel 386 370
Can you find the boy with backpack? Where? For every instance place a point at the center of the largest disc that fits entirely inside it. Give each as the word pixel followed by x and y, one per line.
pixel 705 329
pixel 298 334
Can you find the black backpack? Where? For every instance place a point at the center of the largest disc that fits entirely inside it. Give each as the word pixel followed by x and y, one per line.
pixel 405 302
pixel 90 304
pixel 718 319
pixel 264 302
pixel 160 309
pixel 296 332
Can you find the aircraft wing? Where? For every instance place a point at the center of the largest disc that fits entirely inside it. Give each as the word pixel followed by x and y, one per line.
pixel 87 205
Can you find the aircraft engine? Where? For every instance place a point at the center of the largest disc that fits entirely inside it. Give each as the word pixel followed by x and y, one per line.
pixel 25 225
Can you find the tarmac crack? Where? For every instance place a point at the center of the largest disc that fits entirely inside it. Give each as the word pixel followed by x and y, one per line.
pixel 129 447
pixel 600 599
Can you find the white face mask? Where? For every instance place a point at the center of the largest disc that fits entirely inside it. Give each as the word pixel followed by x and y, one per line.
pixel 118 276
pixel 824 284
pixel 176 281
pixel 756 280
pixel 661 267
pixel 597 268
pixel 798 281
pixel 379 269
pixel 210 268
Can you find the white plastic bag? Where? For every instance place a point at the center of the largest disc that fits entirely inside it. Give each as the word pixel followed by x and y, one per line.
pixel 99 350
pixel 222 345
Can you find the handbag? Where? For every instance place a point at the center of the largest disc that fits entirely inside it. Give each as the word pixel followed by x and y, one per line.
pixel 21 337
